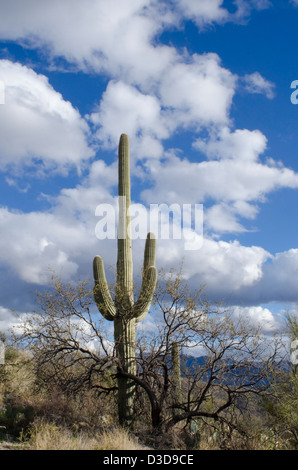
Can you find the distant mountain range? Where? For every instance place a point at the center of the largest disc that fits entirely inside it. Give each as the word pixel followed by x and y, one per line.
pixel 229 371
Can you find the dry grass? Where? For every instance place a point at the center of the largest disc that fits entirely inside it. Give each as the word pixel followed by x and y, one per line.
pixel 49 436
pixel 119 439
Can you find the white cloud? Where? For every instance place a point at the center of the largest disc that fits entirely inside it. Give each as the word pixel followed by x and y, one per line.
pixel 203 11
pixel 12 182
pixel 7 319
pixel 232 182
pixel 36 122
pixel 277 282
pixel 259 316
pixel 245 7
pixel 260 4
pixel 110 34
pixel 114 36
pixel 62 239
pixel 182 181
pixel 206 12
pixel 225 267
pixel 221 218
pixel 198 92
pixel 65 241
pixel 120 38
pixel 154 89
pixel 194 92
pixel 124 109
pixel 32 243
pixel 255 83
pixel 241 144
pixel 280 278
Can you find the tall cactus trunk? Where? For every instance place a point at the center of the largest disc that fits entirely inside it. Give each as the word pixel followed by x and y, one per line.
pixel 125 337
pixel 124 311
pixel 124 260
pixel 124 328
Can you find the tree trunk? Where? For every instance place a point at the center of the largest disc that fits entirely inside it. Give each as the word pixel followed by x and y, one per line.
pixel 156 417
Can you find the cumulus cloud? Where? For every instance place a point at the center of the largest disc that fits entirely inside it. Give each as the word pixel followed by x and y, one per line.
pixel 259 316
pixel 64 239
pixel 125 109
pixel 232 182
pixel 7 319
pixel 116 36
pixel 280 278
pixel 195 93
pixel 37 124
pixel 34 242
pixel 255 83
pixel 191 94
pixel 204 11
pixel 225 180
pixel 277 282
pixel 222 218
pixel 49 241
pixel 225 267
pixel 241 144
pixel 113 36
pixel 199 92
pixel 154 88
pixel 207 12
pixel 245 7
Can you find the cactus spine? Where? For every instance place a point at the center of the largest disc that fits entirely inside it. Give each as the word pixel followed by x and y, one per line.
pixel 124 311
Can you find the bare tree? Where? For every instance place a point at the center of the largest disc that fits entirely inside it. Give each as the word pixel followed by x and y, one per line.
pixel 72 347
pixel 68 339
pixel 236 361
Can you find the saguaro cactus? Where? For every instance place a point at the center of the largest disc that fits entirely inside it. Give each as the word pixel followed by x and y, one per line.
pixel 124 312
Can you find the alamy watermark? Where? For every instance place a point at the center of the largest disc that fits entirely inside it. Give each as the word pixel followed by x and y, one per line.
pixel 294 352
pixel 175 221
pixel 2 92
pixel 294 95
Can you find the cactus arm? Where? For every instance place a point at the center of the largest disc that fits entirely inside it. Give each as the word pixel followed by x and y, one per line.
pixel 150 251
pixel 101 292
pixel 142 305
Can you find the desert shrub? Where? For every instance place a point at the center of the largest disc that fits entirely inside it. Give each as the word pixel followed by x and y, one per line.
pixel 15 419
pixel 83 410
pixel 16 387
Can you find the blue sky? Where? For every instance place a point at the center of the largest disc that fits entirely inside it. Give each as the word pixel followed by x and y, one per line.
pixel 202 88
